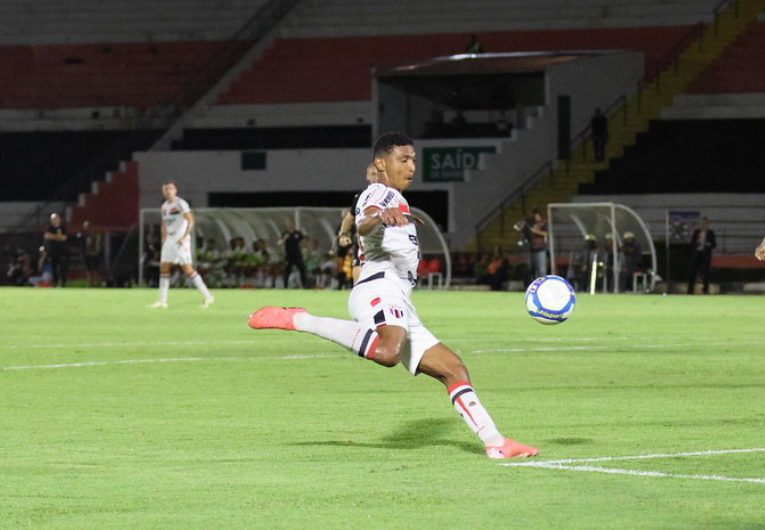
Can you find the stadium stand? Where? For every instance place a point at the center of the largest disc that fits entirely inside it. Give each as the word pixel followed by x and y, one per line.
pixel 114 66
pixel 732 72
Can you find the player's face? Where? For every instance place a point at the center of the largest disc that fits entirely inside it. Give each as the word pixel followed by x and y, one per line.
pixel 399 166
pixel 169 191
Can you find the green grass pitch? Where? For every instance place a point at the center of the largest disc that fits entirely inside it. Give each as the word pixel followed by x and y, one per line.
pixel 649 412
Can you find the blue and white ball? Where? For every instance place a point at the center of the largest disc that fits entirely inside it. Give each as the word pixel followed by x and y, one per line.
pixel 550 300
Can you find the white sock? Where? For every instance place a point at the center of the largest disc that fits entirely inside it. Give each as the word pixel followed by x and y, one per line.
pixel 199 283
pixel 351 335
pixel 164 286
pixel 468 406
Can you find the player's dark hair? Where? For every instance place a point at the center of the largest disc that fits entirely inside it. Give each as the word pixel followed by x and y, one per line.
pixel 535 211
pixel 385 143
pixel 170 182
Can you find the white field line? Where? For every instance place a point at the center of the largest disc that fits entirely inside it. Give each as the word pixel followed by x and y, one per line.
pixel 133 344
pixel 255 342
pixel 567 465
pixel 86 364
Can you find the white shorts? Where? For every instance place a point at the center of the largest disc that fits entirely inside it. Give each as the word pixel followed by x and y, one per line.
pixel 172 252
pixel 383 303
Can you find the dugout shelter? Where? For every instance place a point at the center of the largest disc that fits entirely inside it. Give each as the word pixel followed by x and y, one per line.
pixel 268 224
pixel 569 224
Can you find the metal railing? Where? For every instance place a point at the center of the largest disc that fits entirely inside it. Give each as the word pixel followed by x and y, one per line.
pixel 671 58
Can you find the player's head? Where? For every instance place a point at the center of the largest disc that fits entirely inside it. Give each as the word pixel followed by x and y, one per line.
pixel 55 220
pixel 395 157
pixel 169 190
pixel 371 175
pixel 536 213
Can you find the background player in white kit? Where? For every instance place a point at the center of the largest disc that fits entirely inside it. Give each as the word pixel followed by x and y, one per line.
pixel 386 328
pixel 177 223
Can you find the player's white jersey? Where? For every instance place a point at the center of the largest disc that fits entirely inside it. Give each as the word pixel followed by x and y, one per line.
pixel 393 249
pixel 172 215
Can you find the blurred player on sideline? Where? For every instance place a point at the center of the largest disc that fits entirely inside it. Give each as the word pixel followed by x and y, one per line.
pixel 385 327
pixel 177 223
pixel 347 235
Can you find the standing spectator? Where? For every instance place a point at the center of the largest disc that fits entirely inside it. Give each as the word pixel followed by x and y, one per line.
pixel 632 261
pixel 702 242
pixel 177 224
pixel 608 260
pixel 56 248
pixel 291 240
pixel 473 46
pixel 599 127
pixel 150 260
pixel 534 230
pixel 91 248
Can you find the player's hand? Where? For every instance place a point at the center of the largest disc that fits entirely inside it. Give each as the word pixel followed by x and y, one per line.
pixel 393 217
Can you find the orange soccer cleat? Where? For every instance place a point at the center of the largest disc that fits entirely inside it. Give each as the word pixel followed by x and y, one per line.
pixel 275 318
pixel 511 449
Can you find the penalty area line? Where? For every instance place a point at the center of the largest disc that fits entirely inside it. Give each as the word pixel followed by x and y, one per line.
pixel 570 465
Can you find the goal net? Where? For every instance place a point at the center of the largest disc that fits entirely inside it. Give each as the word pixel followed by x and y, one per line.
pixel 588 247
pixel 220 226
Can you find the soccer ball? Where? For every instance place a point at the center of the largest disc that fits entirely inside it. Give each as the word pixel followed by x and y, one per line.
pixel 550 299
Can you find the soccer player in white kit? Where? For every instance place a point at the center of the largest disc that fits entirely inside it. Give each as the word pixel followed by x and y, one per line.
pixel 385 327
pixel 177 223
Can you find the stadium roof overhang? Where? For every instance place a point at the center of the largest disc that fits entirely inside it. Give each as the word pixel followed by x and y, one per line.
pixel 481 81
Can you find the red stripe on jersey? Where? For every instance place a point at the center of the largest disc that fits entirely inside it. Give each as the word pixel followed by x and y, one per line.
pixel 403 207
pixel 375 301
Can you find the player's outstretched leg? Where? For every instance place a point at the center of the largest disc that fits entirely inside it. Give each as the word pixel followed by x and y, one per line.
pixel 361 340
pixel 443 364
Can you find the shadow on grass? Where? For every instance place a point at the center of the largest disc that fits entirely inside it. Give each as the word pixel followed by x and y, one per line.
pixel 410 435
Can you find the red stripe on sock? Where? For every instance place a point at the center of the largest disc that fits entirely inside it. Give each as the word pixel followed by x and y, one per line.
pixel 463 407
pixel 455 386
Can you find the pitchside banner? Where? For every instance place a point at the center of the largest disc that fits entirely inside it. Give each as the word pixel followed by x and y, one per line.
pixel 680 226
pixel 448 164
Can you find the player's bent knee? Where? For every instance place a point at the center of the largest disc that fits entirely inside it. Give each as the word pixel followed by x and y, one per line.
pixel 387 353
pixel 387 357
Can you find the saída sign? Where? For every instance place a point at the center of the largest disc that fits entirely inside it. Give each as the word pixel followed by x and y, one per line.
pixel 448 164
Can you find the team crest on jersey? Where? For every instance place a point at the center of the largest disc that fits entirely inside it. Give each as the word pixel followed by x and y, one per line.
pixel 396 312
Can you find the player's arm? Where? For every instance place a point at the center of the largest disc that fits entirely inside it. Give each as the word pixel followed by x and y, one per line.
pixel 538 232
pixel 344 237
pixel 189 226
pixel 345 226
pixel 163 231
pixel 374 217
